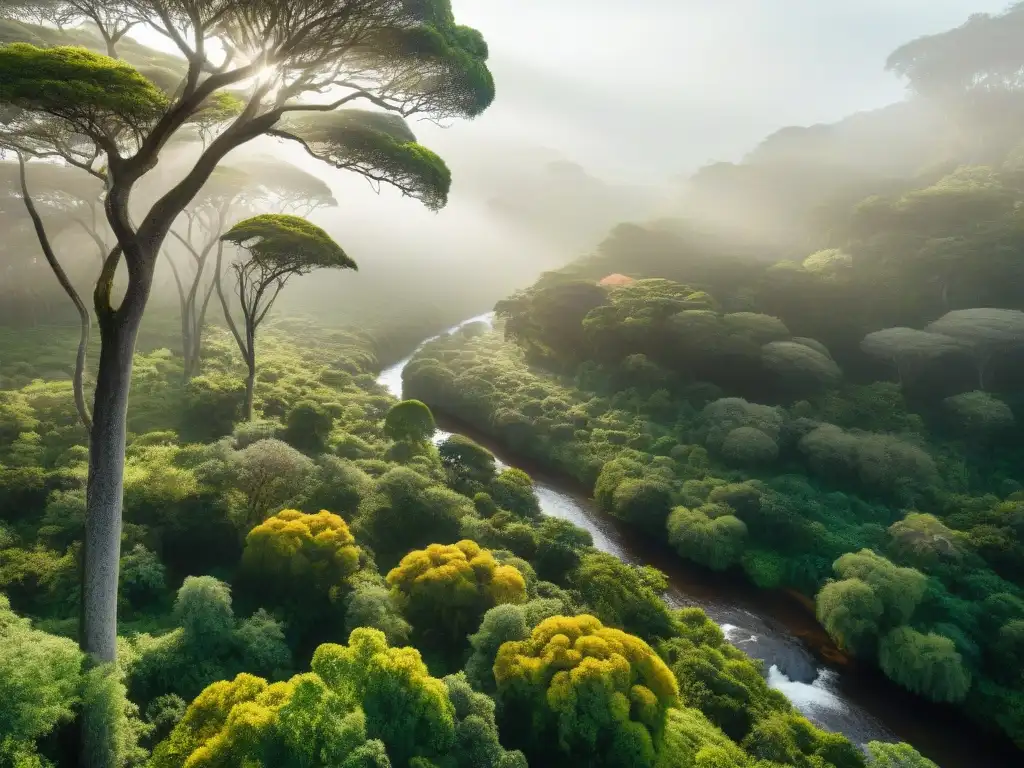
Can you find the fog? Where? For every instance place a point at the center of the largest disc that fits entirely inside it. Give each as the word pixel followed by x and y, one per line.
pixel 601 112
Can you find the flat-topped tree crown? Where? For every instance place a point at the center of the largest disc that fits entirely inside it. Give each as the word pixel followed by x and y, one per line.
pixel 287 242
pixel 93 94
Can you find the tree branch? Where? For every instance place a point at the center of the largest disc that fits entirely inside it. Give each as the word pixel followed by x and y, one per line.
pixel 85 320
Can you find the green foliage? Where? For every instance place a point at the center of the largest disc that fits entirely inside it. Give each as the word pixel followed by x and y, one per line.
pixel 308 427
pixel 406 512
pixel 928 664
pixel 979 413
pixel 287 242
pixel 850 611
pixel 213 403
pixel 377 144
pixel 208 643
pixel 717 678
pixel 300 564
pixel 267 475
pixel 879 463
pixel 716 542
pixel 623 595
pixel 512 489
pixel 409 421
pixel 883 755
pixel 143 577
pixel 364 704
pixel 575 677
pixel 39 684
pixel 899 589
pixel 112 718
pixel 91 92
pixel 444 590
pixel 371 605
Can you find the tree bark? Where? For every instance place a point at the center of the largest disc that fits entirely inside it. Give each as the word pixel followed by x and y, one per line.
pixel 250 386
pixel 104 495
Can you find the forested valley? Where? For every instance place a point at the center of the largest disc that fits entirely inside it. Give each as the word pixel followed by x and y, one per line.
pixel 259 508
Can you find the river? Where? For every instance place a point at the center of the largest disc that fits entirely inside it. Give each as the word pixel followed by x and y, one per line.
pixel 771 626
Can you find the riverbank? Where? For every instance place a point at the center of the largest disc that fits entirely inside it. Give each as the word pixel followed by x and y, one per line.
pixel 778 627
pixel 800 659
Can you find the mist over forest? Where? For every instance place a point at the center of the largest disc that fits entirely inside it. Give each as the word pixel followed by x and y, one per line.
pixel 451 384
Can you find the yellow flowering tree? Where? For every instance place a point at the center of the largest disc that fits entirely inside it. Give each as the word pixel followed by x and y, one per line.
pixel 445 589
pixel 300 564
pixel 597 695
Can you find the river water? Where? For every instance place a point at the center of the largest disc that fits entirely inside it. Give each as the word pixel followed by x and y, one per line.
pixel 773 627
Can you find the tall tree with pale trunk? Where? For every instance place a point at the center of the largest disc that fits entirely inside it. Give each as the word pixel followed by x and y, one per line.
pixel 102 116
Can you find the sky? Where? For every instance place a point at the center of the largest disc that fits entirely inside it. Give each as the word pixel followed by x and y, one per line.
pixel 647 89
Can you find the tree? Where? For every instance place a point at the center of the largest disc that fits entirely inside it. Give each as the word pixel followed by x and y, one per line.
pixel 979 414
pixel 928 664
pixel 240 186
pixel 501 624
pixel 985 332
pixel 800 365
pixel 715 542
pixel 907 347
pixel 267 474
pixel 409 421
pixel 308 426
pixel 883 755
pixel 208 643
pixel 300 563
pixel 444 590
pixel 645 503
pixel 623 595
pixel 112 20
pixel 280 246
pixel 850 611
pixel 899 589
pixel 407 512
pixel 39 678
pixel 469 467
pixel 103 117
pixel 979 55
pixel 596 695
pixel 84 318
pixel 370 605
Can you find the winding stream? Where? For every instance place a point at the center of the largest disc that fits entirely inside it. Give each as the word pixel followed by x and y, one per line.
pixel 774 627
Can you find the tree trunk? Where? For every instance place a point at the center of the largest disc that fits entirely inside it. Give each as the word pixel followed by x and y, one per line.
pixel 983 364
pixel 105 491
pixel 250 386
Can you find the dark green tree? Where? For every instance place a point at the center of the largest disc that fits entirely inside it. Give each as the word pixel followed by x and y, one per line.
pixel 410 421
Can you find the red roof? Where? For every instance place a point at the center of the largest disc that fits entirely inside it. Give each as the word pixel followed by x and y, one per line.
pixel 616 279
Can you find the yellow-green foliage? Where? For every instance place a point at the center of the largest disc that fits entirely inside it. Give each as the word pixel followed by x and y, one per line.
pixel 300 552
pixel 405 707
pixel 594 691
pixel 448 587
pixel 358 701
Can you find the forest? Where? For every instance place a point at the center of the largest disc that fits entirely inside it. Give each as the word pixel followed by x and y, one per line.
pixel 225 541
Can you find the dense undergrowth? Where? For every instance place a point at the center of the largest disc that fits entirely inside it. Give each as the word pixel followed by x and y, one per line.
pixel 324 586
